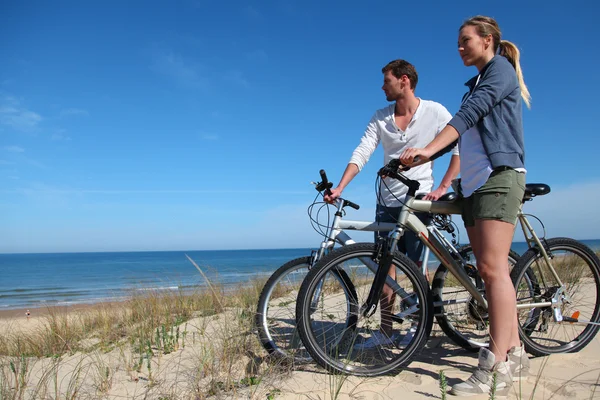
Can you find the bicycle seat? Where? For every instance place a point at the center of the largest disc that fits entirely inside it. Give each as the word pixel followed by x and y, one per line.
pixel 447 197
pixel 535 189
pixel 451 196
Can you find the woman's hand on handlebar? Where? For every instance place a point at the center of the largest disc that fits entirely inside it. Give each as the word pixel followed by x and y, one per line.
pixel 332 195
pixel 408 156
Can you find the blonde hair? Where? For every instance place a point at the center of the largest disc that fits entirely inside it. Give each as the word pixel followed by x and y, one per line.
pixel 488 26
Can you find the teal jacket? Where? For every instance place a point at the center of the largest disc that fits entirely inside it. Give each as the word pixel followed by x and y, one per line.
pixel 495 106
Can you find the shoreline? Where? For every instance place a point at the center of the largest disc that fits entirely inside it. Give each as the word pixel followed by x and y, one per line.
pixel 38 312
pixel 78 281
pixel 135 292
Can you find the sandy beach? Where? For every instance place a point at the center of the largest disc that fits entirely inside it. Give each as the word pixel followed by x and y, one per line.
pixel 217 360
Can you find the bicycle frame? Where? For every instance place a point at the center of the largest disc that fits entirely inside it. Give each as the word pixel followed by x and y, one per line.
pixel 430 236
pixel 433 241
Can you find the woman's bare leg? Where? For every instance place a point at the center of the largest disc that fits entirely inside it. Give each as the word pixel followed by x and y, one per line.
pixel 491 240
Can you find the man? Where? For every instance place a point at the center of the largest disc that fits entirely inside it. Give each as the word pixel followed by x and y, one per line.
pixel 408 122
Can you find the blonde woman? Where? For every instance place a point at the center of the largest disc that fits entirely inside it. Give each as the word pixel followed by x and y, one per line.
pixel 489 127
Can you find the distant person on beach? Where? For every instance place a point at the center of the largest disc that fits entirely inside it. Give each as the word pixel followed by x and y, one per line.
pixel 489 126
pixel 27 314
pixel 408 122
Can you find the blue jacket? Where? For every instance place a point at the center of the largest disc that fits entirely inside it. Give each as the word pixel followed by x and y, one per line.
pixel 494 105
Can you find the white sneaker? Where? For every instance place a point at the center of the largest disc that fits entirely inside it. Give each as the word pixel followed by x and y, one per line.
pixel 409 336
pixel 483 381
pixel 377 339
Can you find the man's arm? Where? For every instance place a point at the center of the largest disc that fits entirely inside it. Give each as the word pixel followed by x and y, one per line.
pixel 349 174
pixel 360 157
pixel 451 173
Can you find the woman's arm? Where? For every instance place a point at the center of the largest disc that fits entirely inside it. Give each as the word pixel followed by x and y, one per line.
pixel 446 137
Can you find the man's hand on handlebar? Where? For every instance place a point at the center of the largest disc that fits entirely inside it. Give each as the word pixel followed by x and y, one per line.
pixel 332 195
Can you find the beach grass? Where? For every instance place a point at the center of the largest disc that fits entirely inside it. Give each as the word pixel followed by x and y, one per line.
pixel 78 352
pixel 156 345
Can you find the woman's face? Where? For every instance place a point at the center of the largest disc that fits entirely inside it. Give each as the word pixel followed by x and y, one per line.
pixel 473 48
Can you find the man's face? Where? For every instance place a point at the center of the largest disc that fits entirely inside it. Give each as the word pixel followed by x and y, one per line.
pixel 392 86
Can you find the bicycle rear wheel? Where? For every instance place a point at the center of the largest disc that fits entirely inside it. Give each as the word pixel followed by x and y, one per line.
pixel 456 312
pixel 334 331
pixel 275 315
pixel 578 268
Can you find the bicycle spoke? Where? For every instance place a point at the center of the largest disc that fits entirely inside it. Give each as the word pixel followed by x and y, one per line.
pixel 276 315
pixel 343 338
pixel 578 298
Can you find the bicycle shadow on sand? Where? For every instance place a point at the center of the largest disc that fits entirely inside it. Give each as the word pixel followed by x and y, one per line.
pixel 440 353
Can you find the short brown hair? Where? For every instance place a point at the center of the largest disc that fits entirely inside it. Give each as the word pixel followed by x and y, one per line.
pixel 402 67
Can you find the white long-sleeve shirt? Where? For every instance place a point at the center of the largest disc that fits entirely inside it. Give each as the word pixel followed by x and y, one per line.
pixel 427 122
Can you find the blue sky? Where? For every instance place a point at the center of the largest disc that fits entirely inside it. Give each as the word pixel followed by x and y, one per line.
pixel 200 124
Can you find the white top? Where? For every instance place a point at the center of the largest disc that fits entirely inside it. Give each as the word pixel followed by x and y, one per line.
pixel 476 168
pixel 427 122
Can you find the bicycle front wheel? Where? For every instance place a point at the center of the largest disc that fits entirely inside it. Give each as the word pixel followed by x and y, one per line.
pixel 575 295
pixel 339 337
pixel 457 313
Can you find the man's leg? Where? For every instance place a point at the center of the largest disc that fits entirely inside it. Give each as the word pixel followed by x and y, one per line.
pixel 413 246
pixel 387 214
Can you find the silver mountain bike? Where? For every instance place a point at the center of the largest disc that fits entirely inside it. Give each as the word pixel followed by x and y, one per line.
pixel 557 283
pixel 275 318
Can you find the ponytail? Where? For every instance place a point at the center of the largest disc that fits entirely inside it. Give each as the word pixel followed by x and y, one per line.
pixel 488 26
pixel 513 55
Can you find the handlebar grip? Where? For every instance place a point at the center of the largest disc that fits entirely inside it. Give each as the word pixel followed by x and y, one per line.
pixel 406 168
pixel 324 180
pixel 324 185
pixel 351 204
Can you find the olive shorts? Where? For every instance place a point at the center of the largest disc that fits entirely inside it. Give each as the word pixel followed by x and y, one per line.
pixel 500 198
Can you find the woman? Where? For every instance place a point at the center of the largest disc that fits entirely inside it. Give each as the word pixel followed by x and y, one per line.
pixel 490 127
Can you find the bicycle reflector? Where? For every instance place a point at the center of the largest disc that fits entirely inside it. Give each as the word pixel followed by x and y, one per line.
pixel 575 315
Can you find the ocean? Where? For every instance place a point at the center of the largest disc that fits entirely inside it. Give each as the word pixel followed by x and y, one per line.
pixel 51 279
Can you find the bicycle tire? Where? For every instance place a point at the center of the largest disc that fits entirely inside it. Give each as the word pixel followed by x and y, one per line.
pixel 332 345
pixel 276 323
pixel 463 323
pixel 538 331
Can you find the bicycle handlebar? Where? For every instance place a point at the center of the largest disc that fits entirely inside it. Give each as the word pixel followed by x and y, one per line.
pixel 392 169
pixel 325 185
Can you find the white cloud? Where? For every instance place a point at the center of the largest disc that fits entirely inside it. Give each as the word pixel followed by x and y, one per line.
pixel 253 13
pixel 60 135
pixel 176 67
pixel 237 77
pixel 14 149
pixel 569 211
pixel 13 114
pixel 46 189
pixel 34 163
pixel 68 112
